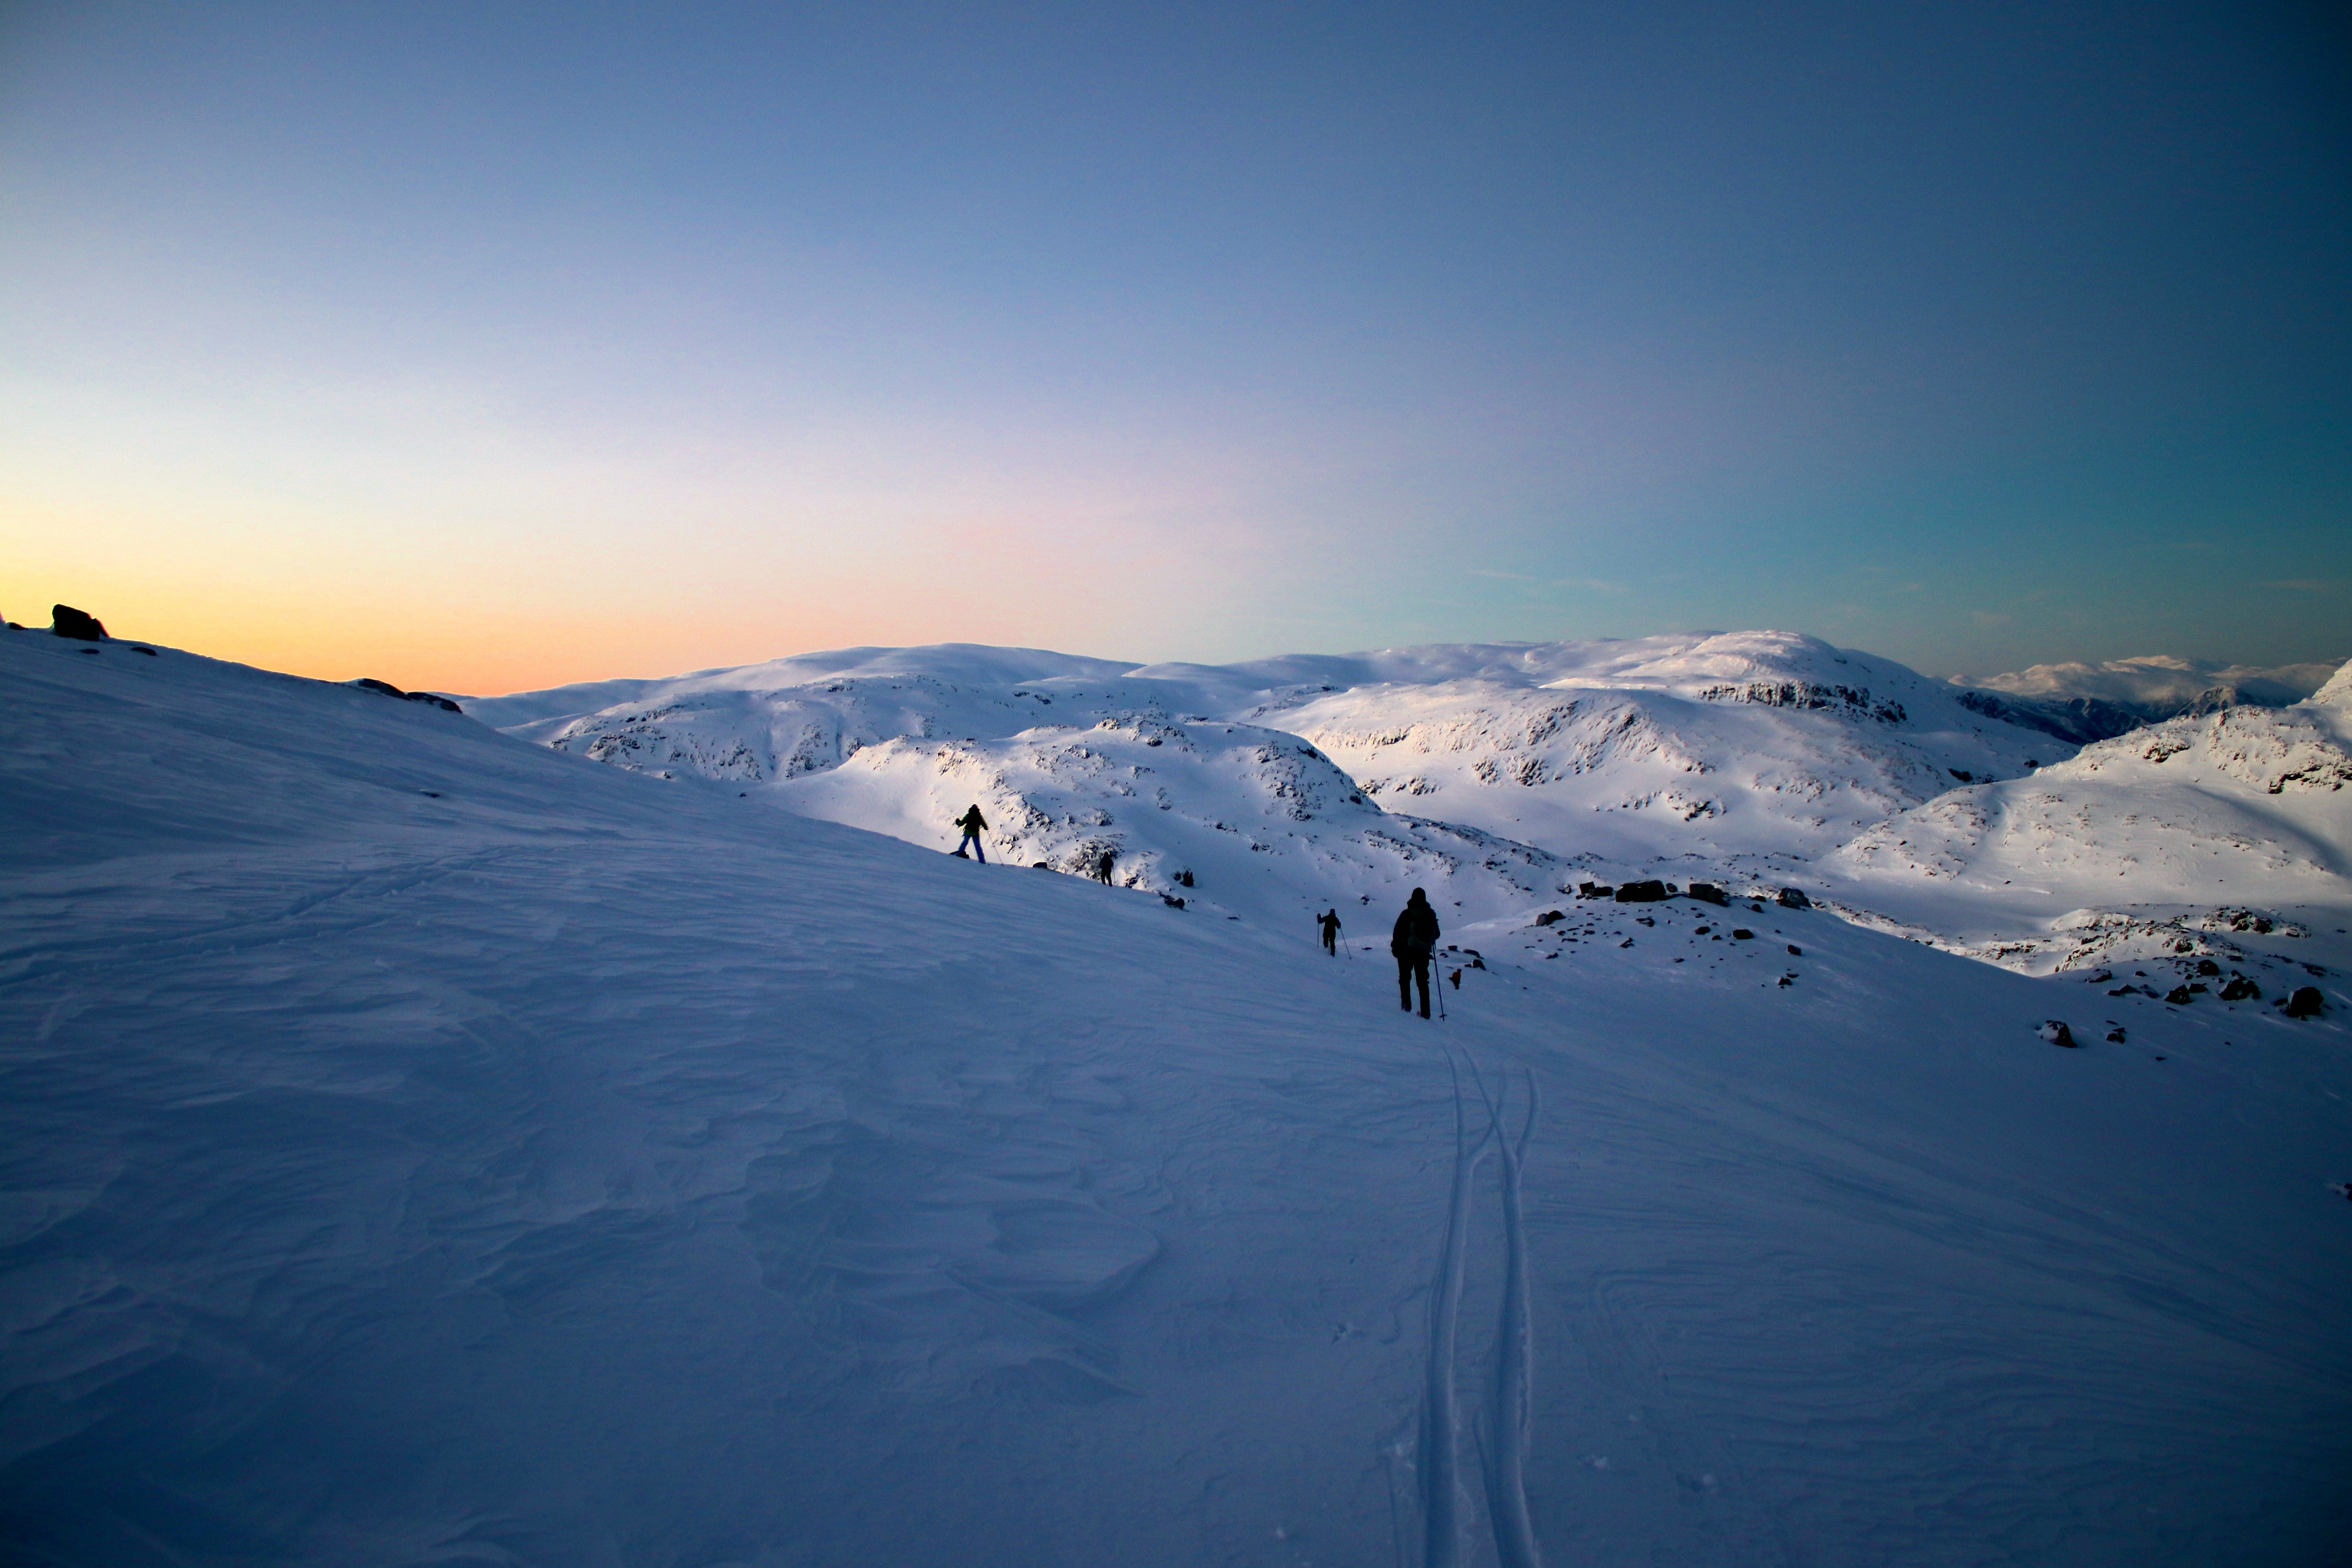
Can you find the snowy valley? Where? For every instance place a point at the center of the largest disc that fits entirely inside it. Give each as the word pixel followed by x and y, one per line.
pixel 601 1128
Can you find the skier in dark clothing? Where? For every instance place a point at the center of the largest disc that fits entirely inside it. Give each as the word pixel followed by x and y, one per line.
pixel 973 825
pixel 1330 924
pixel 1102 866
pixel 1412 941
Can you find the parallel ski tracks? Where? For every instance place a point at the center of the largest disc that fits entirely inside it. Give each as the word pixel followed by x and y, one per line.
pixel 1504 1443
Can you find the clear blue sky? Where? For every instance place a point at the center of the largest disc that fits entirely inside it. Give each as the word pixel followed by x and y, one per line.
pixel 492 345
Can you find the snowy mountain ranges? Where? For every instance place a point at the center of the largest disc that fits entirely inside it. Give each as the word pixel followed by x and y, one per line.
pixel 1504 775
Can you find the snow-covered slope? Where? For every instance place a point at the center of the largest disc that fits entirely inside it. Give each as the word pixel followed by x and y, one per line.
pixel 420 1146
pixel 1741 754
pixel 2202 824
pixel 1644 752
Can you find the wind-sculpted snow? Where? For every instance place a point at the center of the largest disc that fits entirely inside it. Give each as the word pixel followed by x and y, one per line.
pixel 419 1146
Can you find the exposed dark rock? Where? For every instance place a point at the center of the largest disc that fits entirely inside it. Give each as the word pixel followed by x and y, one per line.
pixel 1594 890
pixel 1741 934
pixel 1647 892
pixel 2179 997
pixel 1549 918
pixel 2207 966
pixel 1854 701
pixel 2115 1036
pixel 2057 1034
pixel 387 689
pixel 1792 899
pixel 65 621
pixel 1709 893
pixel 1183 879
pixel 148 651
pixel 1796 951
pixel 2306 1003
pixel 2240 989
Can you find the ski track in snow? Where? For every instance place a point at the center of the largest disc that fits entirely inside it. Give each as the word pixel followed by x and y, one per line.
pixel 1441 1445
pixel 570 1168
pixel 1514 1372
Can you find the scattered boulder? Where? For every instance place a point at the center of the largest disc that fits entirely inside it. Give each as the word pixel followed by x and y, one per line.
pixel 1171 900
pixel 2184 945
pixel 65 621
pixel 1595 891
pixel 1039 866
pixel 2115 1036
pixel 1709 893
pixel 2179 997
pixel 1648 892
pixel 386 687
pixel 1741 934
pixel 2306 1003
pixel 2240 989
pixel 2207 966
pixel 1183 879
pixel 1792 899
pixel 2057 1034
pixel 1551 918
pixel 1786 981
pixel 1796 951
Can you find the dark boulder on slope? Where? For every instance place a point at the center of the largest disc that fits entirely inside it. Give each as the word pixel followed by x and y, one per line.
pixel 65 621
pixel 386 687
pixel 2306 1003
pixel 1794 899
pixel 1648 892
pixel 1709 893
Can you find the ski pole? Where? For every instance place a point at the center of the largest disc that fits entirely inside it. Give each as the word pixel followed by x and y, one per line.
pixel 1437 975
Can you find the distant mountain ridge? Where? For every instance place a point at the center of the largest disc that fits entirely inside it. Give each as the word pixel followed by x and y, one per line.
pixel 2086 702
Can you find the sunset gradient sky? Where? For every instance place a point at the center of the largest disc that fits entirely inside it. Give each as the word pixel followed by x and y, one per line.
pixel 489 346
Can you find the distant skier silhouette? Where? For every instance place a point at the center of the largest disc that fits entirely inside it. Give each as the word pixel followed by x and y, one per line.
pixel 1330 924
pixel 1412 941
pixel 1102 866
pixel 973 825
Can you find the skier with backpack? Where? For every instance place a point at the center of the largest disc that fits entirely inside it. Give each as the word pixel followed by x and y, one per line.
pixel 1412 941
pixel 973 825
pixel 1329 922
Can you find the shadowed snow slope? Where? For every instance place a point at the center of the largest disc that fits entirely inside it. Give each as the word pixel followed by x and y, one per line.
pixel 424 1147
